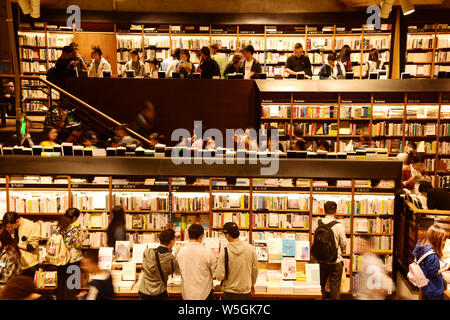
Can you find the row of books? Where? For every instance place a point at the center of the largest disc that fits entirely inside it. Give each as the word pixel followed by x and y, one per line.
pixel 231 201
pixel 34 53
pixel 392 145
pixel 442 56
pixel 193 44
pixel 34 106
pixel 160 54
pixel 374 205
pixel 59 40
pixel 445 130
pixel 422 111
pixel 358 266
pixel 429 164
pixel 257 43
pixel 444 148
pixel 141 201
pixel 417 129
pixel 266 235
pixel 54 54
pixel 45 279
pixel 418 69
pixel 38 203
pixel 311 129
pixel 343 204
pixel 376 225
pixel 319 44
pixel 157 41
pixel 353 128
pixel 129 42
pixel 444 181
pixel 419 56
pixel 380 243
pixel 84 200
pixel 443 42
pixel 190 203
pixel 422 42
pixel 225 43
pixel 37 40
pixel 96 240
pixel 314 112
pixel 34 66
pixel 387 129
pixel 280 220
pixel 46 228
pixel 381 112
pixel 93 220
pixel 281 202
pixel 272 57
pixel 242 219
pixel 146 221
pixel 357 44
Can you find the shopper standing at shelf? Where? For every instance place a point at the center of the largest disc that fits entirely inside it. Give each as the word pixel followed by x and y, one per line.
pixel 81 64
pixel 64 67
pixel 8 99
pixel 232 67
pixel 26 235
pixel 173 64
pixel 208 67
pixel 116 228
pixel 414 173
pixel 250 67
pixel 329 243
pixel 52 135
pixel 157 265
pixel 100 285
pixel 331 69
pixel 73 237
pixel 185 67
pixel 345 59
pixel 99 65
pixel 406 156
pixel 374 64
pixel 298 62
pixel 437 198
pixel 374 283
pixel 434 242
pixel 9 257
pixel 197 266
pixel 237 266
pixel 220 58
pixel 134 64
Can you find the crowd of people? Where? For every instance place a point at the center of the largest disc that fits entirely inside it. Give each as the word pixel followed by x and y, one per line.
pixel 212 64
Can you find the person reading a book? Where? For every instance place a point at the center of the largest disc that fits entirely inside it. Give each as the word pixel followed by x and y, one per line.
pixel 437 198
pixel 208 67
pixel 157 265
pixel 9 257
pixel 185 67
pixel 431 266
pixel 331 271
pixel 414 173
pixel 197 266
pixel 331 69
pixel 134 64
pixel 298 62
pixel 73 236
pixel 100 285
pixel 249 67
pixel 52 135
pixel 99 64
pixel 344 58
pixel 232 67
pixel 406 156
pixel 116 228
pixel 237 266
pixel 26 235
pixel 372 266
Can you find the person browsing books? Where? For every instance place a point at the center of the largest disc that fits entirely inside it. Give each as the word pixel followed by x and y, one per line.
pixel 250 67
pixel 232 67
pixel 237 266
pixel 9 257
pixel 298 62
pixel 331 69
pixel 437 198
pixel 135 64
pixel 157 265
pixel 197 267
pixel 173 64
pixel 374 64
pixel 414 173
pixel 100 285
pixel 434 241
pixel 185 67
pixel 116 228
pixel 329 243
pixel 345 59
pixel 208 67
pixel 73 237
pixel 220 58
pixel 26 235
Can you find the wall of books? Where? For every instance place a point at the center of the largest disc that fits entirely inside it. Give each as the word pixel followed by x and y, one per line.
pixel 278 216
pixel 428 51
pixel 391 119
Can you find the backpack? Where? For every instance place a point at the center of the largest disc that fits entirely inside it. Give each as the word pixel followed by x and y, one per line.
pixel 56 250
pixel 415 274
pixel 324 248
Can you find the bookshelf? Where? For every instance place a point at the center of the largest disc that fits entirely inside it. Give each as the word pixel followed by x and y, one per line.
pixel 391 119
pixel 264 208
pixel 427 50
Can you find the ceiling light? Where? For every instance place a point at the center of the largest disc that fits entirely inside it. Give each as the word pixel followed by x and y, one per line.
pixel 386 7
pixel 407 7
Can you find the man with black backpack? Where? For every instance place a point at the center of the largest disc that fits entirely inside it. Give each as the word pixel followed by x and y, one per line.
pixel 157 265
pixel 237 266
pixel 329 243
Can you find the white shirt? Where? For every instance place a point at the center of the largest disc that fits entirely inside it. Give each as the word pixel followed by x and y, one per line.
pixel 97 72
pixel 172 67
pixel 197 267
pixel 248 68
pixel 339 235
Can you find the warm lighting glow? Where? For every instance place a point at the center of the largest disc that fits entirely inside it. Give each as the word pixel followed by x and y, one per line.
pixel 407 7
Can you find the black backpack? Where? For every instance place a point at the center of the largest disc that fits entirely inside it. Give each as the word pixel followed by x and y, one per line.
pixel 324 248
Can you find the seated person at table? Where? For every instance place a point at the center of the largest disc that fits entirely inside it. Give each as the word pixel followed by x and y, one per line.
pixel 414 173
pixel 298 62
pixel 232 67
pixel 331 69
pixel 134 64
pixel 437 198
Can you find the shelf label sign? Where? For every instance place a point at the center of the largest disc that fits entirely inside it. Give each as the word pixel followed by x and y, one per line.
pixel 75 17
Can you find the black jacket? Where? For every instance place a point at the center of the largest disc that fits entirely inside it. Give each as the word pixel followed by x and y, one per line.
pixel 209 68
pixel 256 68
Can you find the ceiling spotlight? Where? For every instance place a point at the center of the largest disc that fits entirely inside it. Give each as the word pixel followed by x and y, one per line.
pixel 407 7
pixel 386 7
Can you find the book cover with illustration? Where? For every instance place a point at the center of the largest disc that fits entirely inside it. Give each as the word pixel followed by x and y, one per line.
pixel 261 248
